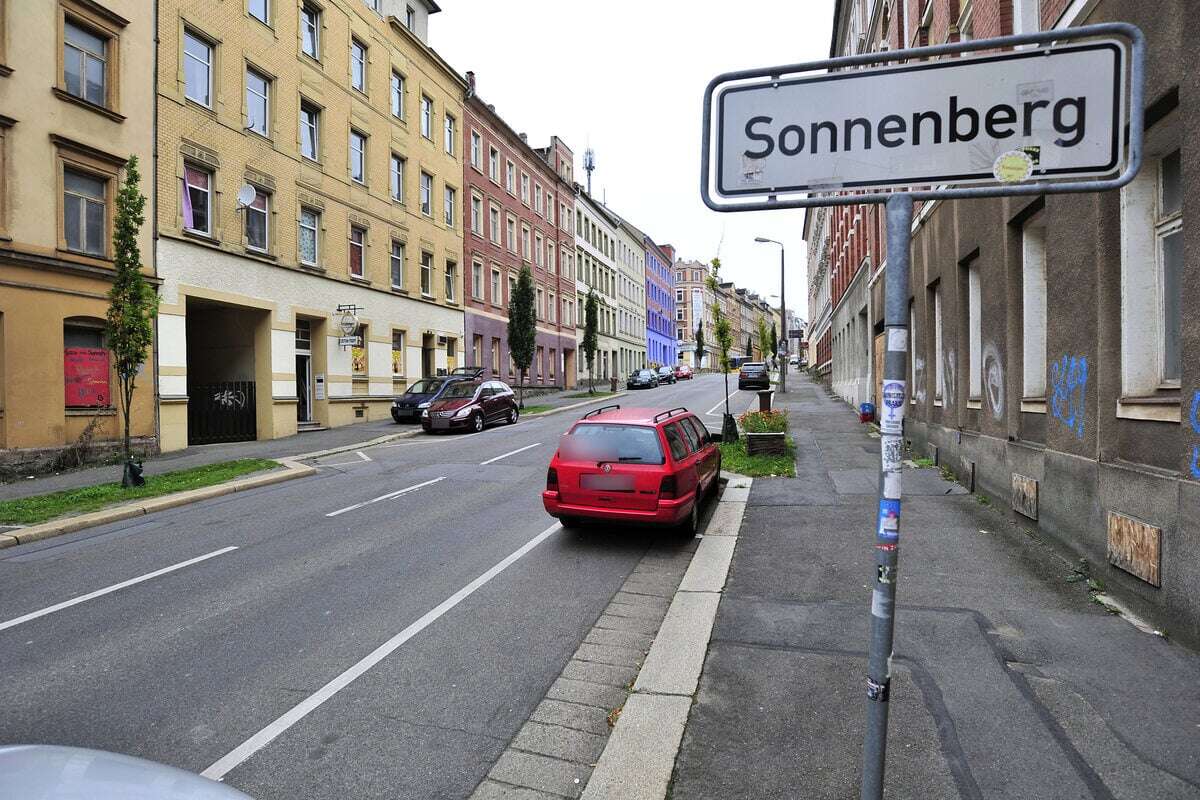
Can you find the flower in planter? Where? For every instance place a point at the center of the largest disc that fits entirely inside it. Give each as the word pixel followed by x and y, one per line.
pixel 774 421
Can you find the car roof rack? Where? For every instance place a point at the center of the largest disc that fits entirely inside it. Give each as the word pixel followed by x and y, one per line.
pixel 670 413
pixel 600 410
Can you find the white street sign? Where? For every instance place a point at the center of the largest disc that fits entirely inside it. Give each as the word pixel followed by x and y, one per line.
pixel 1032 114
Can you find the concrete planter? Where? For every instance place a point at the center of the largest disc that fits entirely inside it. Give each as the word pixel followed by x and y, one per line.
pixel 766 444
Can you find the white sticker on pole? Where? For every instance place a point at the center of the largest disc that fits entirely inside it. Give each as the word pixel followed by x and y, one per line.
pixel 891 416
pixel 897 340
pixel 891 485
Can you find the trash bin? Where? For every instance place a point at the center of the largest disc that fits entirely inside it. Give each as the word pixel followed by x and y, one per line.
pixel 866 412
pixel 764 399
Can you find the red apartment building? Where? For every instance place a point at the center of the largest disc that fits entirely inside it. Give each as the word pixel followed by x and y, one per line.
pixel 519 211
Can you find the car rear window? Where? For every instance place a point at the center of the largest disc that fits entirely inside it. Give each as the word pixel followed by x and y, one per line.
pixel 698 427
pixel 675 438
pixel 599 441
pixel 690 432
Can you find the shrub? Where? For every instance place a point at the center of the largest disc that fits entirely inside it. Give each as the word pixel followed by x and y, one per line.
pixel 773 421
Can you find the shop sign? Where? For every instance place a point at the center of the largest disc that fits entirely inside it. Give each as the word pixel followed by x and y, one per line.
pixel 86 371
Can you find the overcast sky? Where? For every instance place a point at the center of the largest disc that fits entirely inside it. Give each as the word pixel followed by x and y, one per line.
pixel 627 79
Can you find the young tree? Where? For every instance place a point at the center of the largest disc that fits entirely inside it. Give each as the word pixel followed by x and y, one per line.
pixel 774 340
pixel 132 305
pixel 591 321
pixel 724 336
pixel 764 340
pixel 522 328
pixel 749 348
pixel 699 345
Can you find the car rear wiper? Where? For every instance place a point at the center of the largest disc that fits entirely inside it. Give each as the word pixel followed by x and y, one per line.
pixel 626 459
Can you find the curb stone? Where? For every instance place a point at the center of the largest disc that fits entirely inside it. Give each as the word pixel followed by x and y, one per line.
pixel 293 469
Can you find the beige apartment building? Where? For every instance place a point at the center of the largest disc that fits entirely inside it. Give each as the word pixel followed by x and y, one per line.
pixel 75 104
pixel 310 218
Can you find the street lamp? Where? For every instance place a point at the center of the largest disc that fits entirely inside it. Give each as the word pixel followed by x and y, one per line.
pixel 782 310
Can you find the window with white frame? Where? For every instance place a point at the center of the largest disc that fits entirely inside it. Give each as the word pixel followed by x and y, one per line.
pixel 539 249
pixel 258 91
pixel 310 30
pixel 551 307
pixel 495 288
pixel 197 68
pixel 450 133
pixel 397 95
pixel 974 331
pixel 1033 308
pixel 938 352
pixel 426 117
pixel 477 215
pixel 197 200
pixel 310 131
pixel 397 178
pixel 541 304
pixel 537 199
pixel 358 244
pixel 85 212
pixel 358 65
pixel 258 217
pixel 494 224
pixel 510 177
pixel 511 234
pixel 550 207
pixel 494 164
pixel 451 281
pixel 550 257
pixel 426 273
pixel 524 188
pixel 397 264
pixel 477 280
pixel 427 194
pixel 358 156
pixel 260 10
pixel 526 244
pixel 1152 267
pixel 449 203
pixel 310 226
pixel 476 150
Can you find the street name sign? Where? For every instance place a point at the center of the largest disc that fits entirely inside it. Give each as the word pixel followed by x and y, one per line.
pixel 1010 117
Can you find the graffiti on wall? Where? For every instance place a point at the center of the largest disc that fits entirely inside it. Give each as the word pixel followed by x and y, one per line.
pixel 1068 378
pixel 1195 463
pixel 949 377
pixel 993 381
pixel 918 387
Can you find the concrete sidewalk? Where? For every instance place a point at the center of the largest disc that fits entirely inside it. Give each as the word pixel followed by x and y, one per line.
pixel 289 446
pixel 1008 681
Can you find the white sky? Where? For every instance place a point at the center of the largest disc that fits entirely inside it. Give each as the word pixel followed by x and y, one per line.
pixel 627 78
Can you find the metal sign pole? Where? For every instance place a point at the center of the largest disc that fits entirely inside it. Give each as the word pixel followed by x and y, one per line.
pixel 887 534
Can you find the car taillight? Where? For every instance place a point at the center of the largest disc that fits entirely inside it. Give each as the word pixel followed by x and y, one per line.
pixel 552 479
pixel 666 489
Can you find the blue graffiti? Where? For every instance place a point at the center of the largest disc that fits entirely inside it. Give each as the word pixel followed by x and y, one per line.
pixel 1069 378
pixel 1196 427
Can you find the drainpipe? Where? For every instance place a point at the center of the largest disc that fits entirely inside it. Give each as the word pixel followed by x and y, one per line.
pixel 154 231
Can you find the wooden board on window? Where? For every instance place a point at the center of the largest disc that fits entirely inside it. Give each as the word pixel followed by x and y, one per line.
pixel 1025 495
pixel 1135 547
pixel 880 346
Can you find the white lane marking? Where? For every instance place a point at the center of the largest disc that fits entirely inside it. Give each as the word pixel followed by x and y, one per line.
pixel 382 497
pixel 83 598
pixel 720 403
pixel 510 453
pixel 362 455
pixel 302 709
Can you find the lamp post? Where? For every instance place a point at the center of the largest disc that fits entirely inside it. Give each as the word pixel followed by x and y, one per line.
pixel 782 310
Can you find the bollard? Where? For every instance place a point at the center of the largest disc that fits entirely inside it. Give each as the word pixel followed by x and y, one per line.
pixel 764 399
pixel 612 383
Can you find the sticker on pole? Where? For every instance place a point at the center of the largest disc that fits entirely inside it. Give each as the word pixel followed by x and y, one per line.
pixel 888 530
pixel 891 418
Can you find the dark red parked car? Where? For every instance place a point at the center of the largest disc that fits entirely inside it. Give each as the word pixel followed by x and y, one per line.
pixel 683 372
pixel 466 405
pixel 633 465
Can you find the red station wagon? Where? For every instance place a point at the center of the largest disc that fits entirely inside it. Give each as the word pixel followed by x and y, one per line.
pixel 633 465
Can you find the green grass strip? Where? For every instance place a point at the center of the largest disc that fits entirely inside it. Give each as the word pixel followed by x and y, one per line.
pixel 735 459
pixel 597 393
pixel 43 507
pixel 535 409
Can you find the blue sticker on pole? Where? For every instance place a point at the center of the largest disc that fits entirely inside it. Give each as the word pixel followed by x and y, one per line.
pixel 892 417
pixel 889 520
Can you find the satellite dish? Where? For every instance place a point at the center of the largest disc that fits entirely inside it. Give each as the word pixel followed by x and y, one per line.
pixel 246 195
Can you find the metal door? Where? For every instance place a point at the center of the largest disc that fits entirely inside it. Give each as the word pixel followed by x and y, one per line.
pixel 222 412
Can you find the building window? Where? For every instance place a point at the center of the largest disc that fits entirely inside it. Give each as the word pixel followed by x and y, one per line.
pixel 310 224
pixel 477 280
pixel 496 292
pixel 511 231
pixel 539 247
pixel 85 63
pixel 476 150
pixel 258 89
pixel 550 257
pixel 526 247
pixel 551 308
pixel 451 281
pixel 537 199
pixel 260 11
pixel 476 215
pixel 494 224
pixel 427 274
pixel 426 117
pixel 476 350
pixel 510 177
pixel 358 354
pixel 197 69
pixel 550 207
pixel 524 188
pixel 310 30
pixel 1152 267
pixel 397 95
pixel 1033 308
pixel 358 65
pixel 449 201
pixel 938 351
pixel 410 18
pixel 427 194
pixel 358 243
pixel 86 364
pixel 197 200
pixel 397 178
pixel 85 212
pixel 310 131
pixel 258 221
pixel 397 264
pixel 449 134
pixel 494 164
pixel 974 331
pixel 358 156
pixel 495 356
pixel 541 304
pixel 397 354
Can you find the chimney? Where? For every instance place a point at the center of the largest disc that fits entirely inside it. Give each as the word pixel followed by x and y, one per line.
pixel 470 83
pixel 524 137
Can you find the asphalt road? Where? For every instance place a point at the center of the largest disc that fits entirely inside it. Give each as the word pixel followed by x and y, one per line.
pixel 381 629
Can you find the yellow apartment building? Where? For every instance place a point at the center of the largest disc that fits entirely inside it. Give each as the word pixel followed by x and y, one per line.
pixel 310 213
pixel 74 105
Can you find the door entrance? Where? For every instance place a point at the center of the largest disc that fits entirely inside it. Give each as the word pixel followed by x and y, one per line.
pixel 303 387
pixel 427 357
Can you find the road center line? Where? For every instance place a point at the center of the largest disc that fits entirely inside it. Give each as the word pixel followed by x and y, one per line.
pixel 388 496
pixel 83 598
pixel 709 413
pixel 510 453
pixel 302 709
